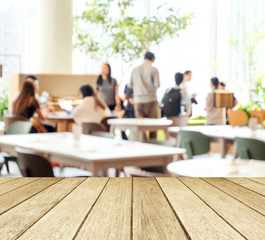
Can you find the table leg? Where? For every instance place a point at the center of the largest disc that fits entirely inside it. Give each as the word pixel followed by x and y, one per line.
pixel 94 171
pixel 167 133
pixel 112 128
pixel 222 143
pixel 234 151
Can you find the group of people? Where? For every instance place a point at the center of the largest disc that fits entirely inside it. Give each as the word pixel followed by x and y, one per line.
pixel 139 95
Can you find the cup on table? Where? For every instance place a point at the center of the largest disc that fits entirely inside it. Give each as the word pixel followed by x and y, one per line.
pixel 77 131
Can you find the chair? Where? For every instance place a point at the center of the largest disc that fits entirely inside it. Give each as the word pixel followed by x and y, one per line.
pixel 249 148
pixel 105 122
pixel 33 165
pixel 18 127
pixel 90 127
pixel 9 119
pixel 237 118
pixel 195 143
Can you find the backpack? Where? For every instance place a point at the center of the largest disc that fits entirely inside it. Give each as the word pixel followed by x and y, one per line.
pixel 172 102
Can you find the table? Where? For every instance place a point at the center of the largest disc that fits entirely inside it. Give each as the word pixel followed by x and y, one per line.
pixel 91 153
pixel 217 168
pixel 132 208
pixel 138 126
pixel 62 119
pixel 223 134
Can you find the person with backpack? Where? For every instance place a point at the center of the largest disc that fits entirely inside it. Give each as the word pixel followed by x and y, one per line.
pixel 176 103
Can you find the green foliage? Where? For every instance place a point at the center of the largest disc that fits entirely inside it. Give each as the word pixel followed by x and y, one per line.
pixel 258 92
pixel 3 101
pixel 125 36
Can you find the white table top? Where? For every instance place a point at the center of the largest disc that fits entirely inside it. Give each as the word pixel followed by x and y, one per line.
pixel 89 147
pixel 217 168
pixel 140 121
pixel 223 131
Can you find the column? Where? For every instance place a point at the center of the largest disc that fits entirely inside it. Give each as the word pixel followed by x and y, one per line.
pixel 55 36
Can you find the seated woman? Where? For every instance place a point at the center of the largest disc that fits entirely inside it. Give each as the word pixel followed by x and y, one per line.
pixel 92 109
pixel 214 115
pixel 27 105
pixel 176 103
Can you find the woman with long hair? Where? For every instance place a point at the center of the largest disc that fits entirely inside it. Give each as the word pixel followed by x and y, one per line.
pixel 214 115
pixel 27 105
pixel 108 88
pixel 92 109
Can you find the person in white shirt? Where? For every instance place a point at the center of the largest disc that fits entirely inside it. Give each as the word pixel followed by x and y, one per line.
pixel 92 109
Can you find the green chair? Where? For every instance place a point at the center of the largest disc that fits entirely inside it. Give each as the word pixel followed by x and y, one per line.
pixel 249 148
pixel 195 143
pixel 18 127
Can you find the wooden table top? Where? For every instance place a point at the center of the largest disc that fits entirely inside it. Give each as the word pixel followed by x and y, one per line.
pixel 132 208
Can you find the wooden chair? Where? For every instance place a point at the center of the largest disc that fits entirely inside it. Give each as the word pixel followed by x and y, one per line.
pixel 105 122
pixel 237 118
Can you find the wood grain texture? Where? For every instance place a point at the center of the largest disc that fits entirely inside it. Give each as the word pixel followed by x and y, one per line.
pixel 17 220
pixel 64 220
pixel 132 208
pixel 5 179
pixel 21 194
pixel 249 184
pixel 194 213
pixel 153 217
pixel 12 185
pixel 260 180
pixel 110 218
pixel 244 219
pixel 250 198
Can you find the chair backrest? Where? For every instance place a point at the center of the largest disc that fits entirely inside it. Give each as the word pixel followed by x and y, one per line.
pixel 249 148
pixel 260 115
pixel 195 143
pixel 9 119
pixel 33 165
pixel 105 122
pixel 89 127
pixel 19 127
pixel 237 118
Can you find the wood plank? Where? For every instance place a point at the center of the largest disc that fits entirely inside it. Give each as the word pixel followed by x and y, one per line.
pixel 250 198
pixel 110 218
pixel 18 219
pixel 64 220
pixel 250 184
pixel 194 213
pixel 6 179
pixel 259 180
pixel 19 195
pixel 247 221
pixel 153 217
pixel 17 183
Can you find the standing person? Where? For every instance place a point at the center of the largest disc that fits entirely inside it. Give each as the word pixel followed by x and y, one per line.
pixel 145 82
pixel 176 99
pixel 214 115
pixel 187 78
pixel 108 88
